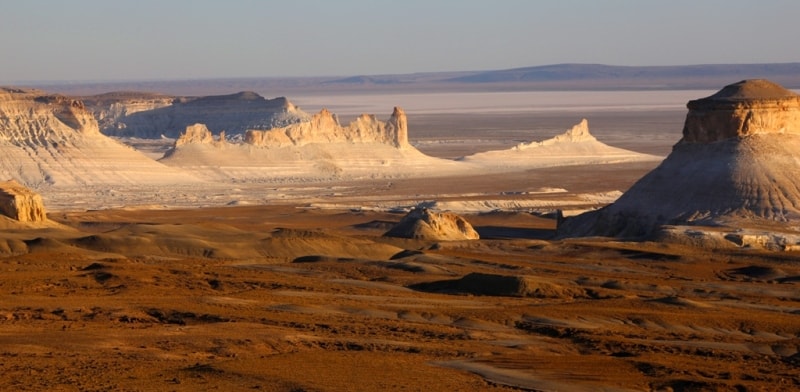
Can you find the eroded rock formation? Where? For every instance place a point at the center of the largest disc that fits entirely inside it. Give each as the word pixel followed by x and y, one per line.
pixel 324 127
pixel 576 146
pixel 200 134
pixel 48 140
pixel 423 223
pixel 737 162
pixel 146 115
pixel 20 203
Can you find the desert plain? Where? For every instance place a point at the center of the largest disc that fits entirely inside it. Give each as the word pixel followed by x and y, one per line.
pixel 294 287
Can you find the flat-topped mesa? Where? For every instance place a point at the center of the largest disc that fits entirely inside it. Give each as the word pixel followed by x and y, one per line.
pixel 742 109
pixel 151 116
pixel 20 203
pixel 324 127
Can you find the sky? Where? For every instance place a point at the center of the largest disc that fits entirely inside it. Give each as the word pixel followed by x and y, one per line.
pixel 108 40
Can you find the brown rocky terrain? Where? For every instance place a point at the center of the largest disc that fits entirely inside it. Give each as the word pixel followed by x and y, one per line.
pixel 286 299
pixel 304 292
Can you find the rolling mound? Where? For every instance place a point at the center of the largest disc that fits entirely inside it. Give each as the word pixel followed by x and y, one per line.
pixel 422 223
pixel 737 163
pixel 576 146
pixel 52 140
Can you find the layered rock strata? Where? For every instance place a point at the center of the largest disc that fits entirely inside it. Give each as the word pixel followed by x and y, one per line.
pixel 324 127
pixel 20 203
pixel 151 116
pixel 52 140
pixel 738 162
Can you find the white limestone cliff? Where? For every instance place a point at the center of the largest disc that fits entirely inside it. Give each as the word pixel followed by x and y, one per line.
pixel 51 140
pixel 324 127
pixel 144 115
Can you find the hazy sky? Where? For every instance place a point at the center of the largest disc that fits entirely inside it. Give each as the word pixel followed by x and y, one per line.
pixel 162 39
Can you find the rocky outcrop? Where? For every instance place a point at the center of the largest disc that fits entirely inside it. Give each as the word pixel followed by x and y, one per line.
pixel 152 116
pixel 324 127
pixel 425 224
pixel 317 149
pixel 52 140
pixel 20 203
pixel 576 146
pixel 199 134
pixel 742 109
pixel 736 163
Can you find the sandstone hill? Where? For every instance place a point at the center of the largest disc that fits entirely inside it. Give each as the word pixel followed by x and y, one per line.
pixel 426 224
pixel 144 115
pixel 576 146
pixel 52 140
pixel 737 162
pixel 319 148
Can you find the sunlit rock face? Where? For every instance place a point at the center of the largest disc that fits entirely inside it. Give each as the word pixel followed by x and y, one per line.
pixel 52 140
pixel 324 127
pixel 737 163
pixel 20 203
pixel 423 223
pixel 742 109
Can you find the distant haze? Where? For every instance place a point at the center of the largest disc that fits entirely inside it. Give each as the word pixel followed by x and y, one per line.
pixel 85 40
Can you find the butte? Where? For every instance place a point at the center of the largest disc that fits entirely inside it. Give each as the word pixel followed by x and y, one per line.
pixel 737 165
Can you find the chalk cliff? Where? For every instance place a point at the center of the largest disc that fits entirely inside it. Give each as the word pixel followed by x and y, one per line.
pixel 145 115
pixel 738 162
pixel 320 148
pixel 52 140
pixel 324 127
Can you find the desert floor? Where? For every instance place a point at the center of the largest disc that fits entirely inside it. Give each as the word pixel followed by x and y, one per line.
pixel 292 296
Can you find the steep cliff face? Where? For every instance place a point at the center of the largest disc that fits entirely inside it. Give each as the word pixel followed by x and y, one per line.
pixel 320 148
pixel 20 203
pixel 51 140
pixel 324 127
pixel 152 116
pixel 738 161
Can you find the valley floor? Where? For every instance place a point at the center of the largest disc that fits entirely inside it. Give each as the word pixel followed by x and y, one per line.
pixel 291 298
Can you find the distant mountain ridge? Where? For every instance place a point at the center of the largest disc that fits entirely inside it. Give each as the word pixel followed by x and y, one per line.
pixel 563 72
pixel 568 76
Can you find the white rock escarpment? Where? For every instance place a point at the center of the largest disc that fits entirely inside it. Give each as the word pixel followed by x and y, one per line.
pixel 20 203
pixel 576 146
pixel 738 162
pixel 423 223
pixel 143 115
pixel 51 140
pixel 317 149
pixel 324 127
